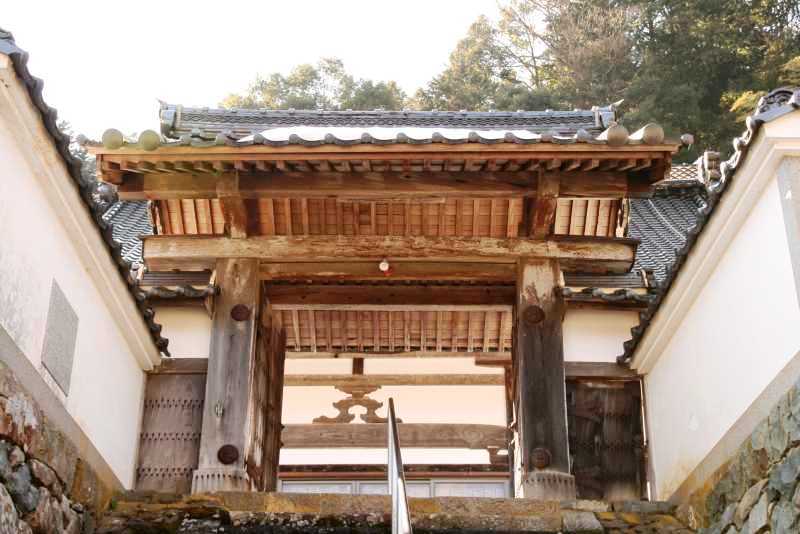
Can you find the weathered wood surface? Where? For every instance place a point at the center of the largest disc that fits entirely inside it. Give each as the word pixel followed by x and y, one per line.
pixel 233 207
pixel 169 441
pixel 572 370
pixel 583 254
pixel 228 382
pixel 305 355
pixel 266 403
pixel 378 295
pixel 540 400
pixel 400 270
pixel 373 435
pixel 372 185
pixel 544 206
pixel 395 380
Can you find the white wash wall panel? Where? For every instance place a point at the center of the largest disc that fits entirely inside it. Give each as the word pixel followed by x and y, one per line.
pixel 107 382
pixel 740 331
pixel 596 335
pixel 187 329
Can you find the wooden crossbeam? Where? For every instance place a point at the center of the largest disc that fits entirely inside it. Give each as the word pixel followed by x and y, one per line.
pixel 576 254
pixel 572 370
pixel 373 435
pixel 395 380
pixel 144 184
pixel 281 296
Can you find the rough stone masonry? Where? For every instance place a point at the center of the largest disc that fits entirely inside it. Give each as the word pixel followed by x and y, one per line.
pixel 757 491
pixel 262 513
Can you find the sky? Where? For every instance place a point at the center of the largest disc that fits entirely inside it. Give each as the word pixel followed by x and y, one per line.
pixel 106 64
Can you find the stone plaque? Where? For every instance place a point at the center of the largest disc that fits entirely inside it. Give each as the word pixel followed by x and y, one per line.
pixel 61 331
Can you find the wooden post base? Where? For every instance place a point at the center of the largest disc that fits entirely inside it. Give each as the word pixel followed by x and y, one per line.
pixel 211 479
pixel 548 485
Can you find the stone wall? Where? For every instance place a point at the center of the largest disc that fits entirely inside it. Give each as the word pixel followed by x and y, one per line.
pixel 47 486
pixel 757 490
pixel 32 498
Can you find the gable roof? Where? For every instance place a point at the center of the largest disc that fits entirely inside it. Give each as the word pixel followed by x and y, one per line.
pixel 95 199
pixel 206 123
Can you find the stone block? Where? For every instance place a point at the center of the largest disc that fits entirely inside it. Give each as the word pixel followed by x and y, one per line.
pixel 41 473
pixel 575 521
pixel 9 519
pixel 728 515
pixel 747 502
pixel 16 457
pixel 784 475
pixel 644 507
pixel 759 515
pixel 777 439
pixel 583 505
pixel 22 491
pixel 47 518
pixel 783 518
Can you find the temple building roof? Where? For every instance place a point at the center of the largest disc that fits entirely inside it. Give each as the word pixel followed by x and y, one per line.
pixel 206 123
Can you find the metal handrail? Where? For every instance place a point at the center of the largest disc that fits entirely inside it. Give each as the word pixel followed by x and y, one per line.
pixel 401 516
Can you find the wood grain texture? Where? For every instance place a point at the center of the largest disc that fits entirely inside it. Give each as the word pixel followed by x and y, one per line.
pixel 394 380
pixel 230 360
pixel 379 295
pixel 373 435
pixel 584 254
pixel 169 442
pixel 540 400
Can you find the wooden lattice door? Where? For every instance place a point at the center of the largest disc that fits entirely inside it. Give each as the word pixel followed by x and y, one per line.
pixel 266 403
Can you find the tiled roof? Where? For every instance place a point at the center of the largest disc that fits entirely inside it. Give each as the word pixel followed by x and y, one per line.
pixel 130 221
pixel 717 177
pixel 661 224
pixel 177 120
pixel 96 199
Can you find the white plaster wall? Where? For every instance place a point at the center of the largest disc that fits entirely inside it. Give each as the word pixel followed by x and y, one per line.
pixel 107 382
pixel 596 335
pixel 187 329
pixel 736 336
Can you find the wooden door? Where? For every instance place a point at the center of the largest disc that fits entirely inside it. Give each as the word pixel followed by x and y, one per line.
pixel 266 403
pixel 170 437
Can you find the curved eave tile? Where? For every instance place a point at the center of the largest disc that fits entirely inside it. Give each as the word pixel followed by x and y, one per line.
pixel 96 202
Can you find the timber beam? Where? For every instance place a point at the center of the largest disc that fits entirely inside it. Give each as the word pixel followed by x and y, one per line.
pixel 373 435
pixel 575 254
pixel 602 371
pixel 476 379
pixel 379 185
pixel 284 297
pixel 408 271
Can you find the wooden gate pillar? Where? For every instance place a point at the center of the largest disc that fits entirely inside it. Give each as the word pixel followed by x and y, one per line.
pixel 542 463
pixel 226 418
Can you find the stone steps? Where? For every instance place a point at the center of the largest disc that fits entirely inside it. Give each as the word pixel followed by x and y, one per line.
pixel 251 513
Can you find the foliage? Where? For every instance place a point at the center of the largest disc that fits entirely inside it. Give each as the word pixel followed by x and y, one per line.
pixel 326 85
pixel 692 66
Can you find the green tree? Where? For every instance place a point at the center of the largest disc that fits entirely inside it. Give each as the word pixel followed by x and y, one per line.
pixel 696 60
pixel 326 85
